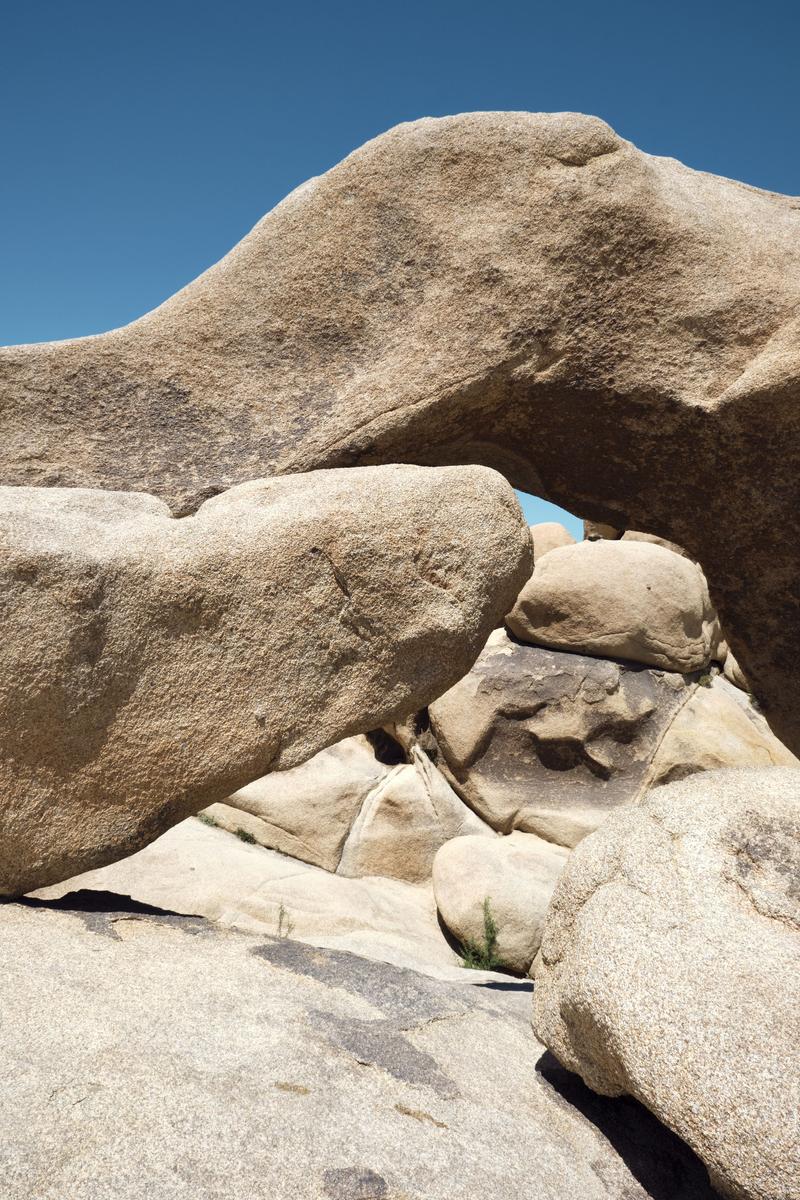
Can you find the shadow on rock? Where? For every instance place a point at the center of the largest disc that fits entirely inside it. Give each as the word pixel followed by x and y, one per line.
pixel 658 1159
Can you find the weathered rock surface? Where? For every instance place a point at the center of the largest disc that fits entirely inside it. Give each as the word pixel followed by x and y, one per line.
pixel 151 666
pixel 594 530
pixel 618 599
pixel 548 742
pixel 734 673
pixel 404 821
pixel 635 535
pixel 347 811
pixel 717 727
pixel 547 536
pixel 307 812
pixel 516 874
pixel 614 331
pixel 670 970
pixel 203 1064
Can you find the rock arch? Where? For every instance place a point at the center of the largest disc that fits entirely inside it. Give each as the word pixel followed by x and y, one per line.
pixel 615 332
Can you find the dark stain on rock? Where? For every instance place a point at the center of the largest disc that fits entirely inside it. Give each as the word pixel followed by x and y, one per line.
pixel 405 996
pixel 354 1183
pixel 380 1044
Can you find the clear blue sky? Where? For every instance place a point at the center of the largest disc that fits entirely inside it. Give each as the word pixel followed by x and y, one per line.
pixel 141 140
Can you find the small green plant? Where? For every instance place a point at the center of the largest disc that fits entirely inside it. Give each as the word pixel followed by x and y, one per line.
pixel 285 923
pixel 482 956
pixel 244 836
pixel 207 819
pixel 705 679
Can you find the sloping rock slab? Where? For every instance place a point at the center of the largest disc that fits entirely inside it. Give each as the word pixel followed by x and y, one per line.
pixel 155 1056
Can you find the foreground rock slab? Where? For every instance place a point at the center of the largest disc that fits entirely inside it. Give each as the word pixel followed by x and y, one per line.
pixel 200 870
pixel 670 970
pixel 614 331
pixel 151 666
pixel 201 1064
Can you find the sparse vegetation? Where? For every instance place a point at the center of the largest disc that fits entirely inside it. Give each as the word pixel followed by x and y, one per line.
pixel 244 836
pixel 207 819
pixel 482 956
pixel 705 679
pixel 285 923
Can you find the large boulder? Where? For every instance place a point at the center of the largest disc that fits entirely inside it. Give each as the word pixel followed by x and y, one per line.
pixel 194 1062
pixel 614 331
pixel 151 666
pixel 670 970
pixel 618 599
pixel 550 743
pixel 507 881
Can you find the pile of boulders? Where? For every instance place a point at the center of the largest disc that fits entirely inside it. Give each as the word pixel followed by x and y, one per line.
pixel 605 682
pixel 251 671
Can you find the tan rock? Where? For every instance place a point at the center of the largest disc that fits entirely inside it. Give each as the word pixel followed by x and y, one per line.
pixel 404 820
pixel 549 535
pixel 615 331
pixel 594 531
pixel 159 1056
pixel 548 742
pixel 734 673
pixel 198 870
pixel 670 970
pixel 515 874
pixel 151 666
pixel 346 811
pixel 629 600
pixel 308 811
pixel 634 535
pixel 717 727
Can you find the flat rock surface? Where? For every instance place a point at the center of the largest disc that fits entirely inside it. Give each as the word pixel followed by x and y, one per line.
pixel 190 1063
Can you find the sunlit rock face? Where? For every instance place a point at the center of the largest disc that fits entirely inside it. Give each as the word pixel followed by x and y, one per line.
pixel 614 331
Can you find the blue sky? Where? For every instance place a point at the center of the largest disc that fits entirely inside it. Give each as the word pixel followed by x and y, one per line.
pixel 141 141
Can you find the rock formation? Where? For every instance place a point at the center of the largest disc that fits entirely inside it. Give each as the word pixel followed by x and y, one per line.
pixel 149 1055
pixel 547 536
pixel 550 742
pixel 150 666
pixel 670 970
pixel 348 812
pixel 630 600
pixel 513 877
pixel 613 331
